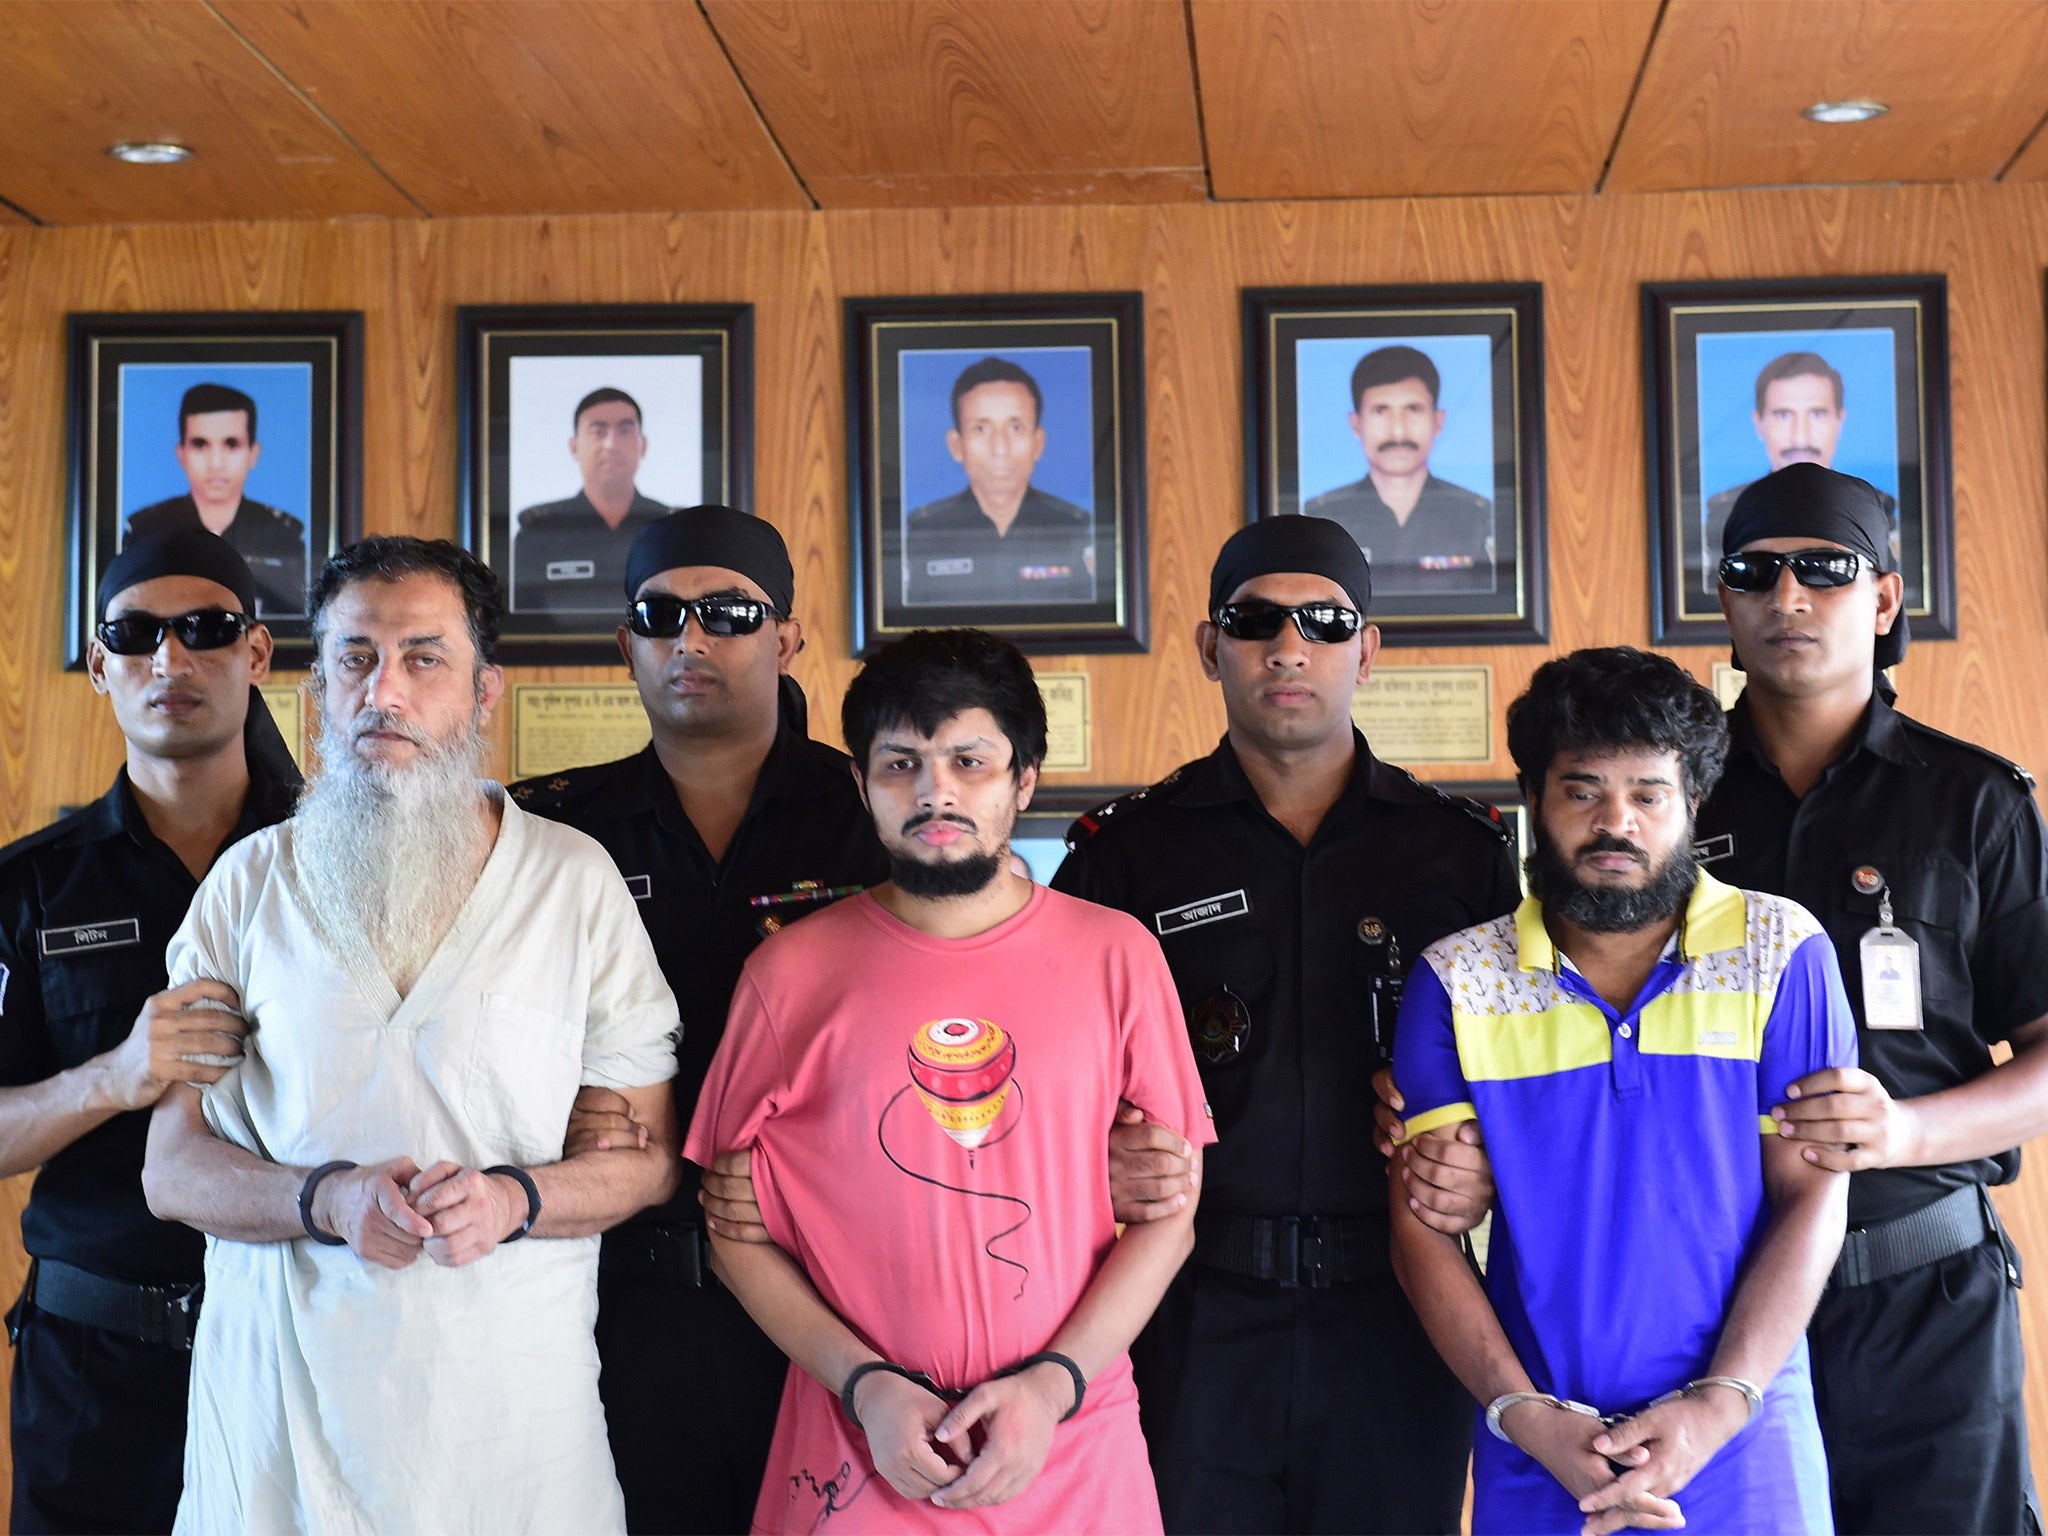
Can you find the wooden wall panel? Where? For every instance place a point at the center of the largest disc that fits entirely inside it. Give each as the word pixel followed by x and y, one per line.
pixel 58 744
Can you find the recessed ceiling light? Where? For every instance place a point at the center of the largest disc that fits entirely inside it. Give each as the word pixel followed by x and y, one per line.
pixel 1845 111
pixel 152 152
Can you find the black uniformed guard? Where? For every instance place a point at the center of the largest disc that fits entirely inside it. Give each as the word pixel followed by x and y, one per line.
pixel 1291 877
pixel 217 449
pixel 1423 536
pixel 569 556
pixel 1001 540
pixel 731 824
pixel 103 1332
pixel 1924 858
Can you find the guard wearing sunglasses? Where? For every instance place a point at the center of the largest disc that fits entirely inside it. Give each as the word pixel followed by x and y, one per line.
pixel 90 1039
pixel 1925 858
pixel 730 825
pixel 1291 877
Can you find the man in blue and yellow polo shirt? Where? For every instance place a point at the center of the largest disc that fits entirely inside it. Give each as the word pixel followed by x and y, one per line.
pixel 1621 1040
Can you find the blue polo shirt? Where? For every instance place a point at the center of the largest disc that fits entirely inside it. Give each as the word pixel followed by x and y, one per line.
pixel 1627 1152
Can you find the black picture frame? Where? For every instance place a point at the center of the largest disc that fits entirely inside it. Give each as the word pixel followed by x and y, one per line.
pixel 1872 336
pixel 521 371
pixel 301 373
pixel 1487 583
pixel 1088 540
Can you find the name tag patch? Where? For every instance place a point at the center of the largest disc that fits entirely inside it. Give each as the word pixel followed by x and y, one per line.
pixel 571 570
pixel 1210 909
pixel 961 567
pixel 640 887
pixel 111 934
pixel 1709 849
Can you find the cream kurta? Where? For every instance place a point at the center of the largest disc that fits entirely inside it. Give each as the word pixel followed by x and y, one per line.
pixel 332 1395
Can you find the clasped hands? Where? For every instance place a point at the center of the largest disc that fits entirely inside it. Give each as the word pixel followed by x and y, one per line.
pixel 390 1213
pixel 1626 1475
pixel 984 1449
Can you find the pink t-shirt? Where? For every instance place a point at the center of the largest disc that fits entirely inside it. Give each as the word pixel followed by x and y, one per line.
pixel 930 1122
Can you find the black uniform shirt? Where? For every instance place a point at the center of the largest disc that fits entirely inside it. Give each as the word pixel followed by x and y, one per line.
pixel 804 826
pixel 87 907
pixel 1953 830
pixel 1297 936
pixel 1445 546
pixel 567 559
pixel 953 554
pixel 273 542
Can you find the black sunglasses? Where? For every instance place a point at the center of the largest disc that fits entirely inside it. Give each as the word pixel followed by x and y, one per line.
pixel 1756 571
pixel 208 629
pixel 1319 623
pixel 662 617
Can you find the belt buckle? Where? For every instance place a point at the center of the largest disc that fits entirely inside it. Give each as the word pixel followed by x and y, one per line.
pixel 1318 1256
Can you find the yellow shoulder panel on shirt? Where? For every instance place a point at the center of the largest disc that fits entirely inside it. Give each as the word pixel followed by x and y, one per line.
pixel 1500 1047
pixel 1723 1024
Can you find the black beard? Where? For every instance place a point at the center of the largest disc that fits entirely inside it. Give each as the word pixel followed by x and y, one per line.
pixel 941 879
pixel 1604 909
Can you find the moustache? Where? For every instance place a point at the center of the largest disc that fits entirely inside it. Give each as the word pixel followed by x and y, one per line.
pixel 926 818
pixel 1400 442
pixel 1602 843
pixel 383 720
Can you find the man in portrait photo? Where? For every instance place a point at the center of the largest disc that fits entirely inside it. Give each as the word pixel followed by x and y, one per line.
pixel 569 556
pixel 217 448
pixel 1423 536
pixel 1001 540
pixel 1800 407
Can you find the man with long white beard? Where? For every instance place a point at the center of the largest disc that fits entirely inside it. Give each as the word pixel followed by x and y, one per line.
pixel 428 975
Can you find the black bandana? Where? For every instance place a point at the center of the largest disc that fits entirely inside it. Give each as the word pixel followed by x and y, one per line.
pixel 1807 501
pixel 736 541
pixel 207 556
pixel 1311 545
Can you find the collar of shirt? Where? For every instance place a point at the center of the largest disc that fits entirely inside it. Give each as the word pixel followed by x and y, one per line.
pixel 1879 733
pixel 1716 920
pixel 1220 778
pixel 118 813
pixel 779 778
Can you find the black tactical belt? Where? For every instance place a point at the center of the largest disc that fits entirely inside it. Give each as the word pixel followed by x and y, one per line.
pixel 1959 1221
pixel 1315 1252
pixel 154 1314
pixel 657 1255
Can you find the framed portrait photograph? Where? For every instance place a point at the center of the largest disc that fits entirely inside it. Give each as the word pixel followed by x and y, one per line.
pixel 247 425
pixel 579 426
pixel 996 457
pixel 1414 417
pixel 1745 378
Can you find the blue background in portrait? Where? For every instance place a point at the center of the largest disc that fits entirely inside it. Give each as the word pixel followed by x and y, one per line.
pixel 1729 361
pixel 1330 455
pixel 283 392
pixel 1065 376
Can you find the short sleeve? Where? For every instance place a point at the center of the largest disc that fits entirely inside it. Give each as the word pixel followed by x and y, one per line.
pixel 1810 1027
pixel 1426 1065
pixel 630 1028
pixel 2007 976
pixel 1158 1066
pixel 747 1081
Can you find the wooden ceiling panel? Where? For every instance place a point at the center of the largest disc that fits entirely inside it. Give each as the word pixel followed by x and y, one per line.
pixel 1391 98
pixel 882 103
pixel 88 74
pixel 544 106
pixel 2032 164
pixel 1727 80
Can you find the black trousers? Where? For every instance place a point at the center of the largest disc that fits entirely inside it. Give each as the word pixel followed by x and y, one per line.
pixel 1918 1381
pixel 690 1388
pixel 98 1429
pixel 1299 1410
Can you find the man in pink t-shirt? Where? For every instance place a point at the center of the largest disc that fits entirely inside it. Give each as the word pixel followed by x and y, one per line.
pixel 925 1074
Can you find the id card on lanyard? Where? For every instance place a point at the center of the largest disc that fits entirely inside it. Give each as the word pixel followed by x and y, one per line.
pixel 1891 973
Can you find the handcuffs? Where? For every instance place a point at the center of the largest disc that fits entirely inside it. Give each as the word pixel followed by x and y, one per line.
pixel 1752 1394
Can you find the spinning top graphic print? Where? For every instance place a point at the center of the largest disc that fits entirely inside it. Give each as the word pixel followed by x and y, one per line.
pixel 962 1070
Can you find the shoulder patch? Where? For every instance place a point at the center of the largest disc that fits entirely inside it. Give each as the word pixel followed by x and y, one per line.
pixel 2006 765
pixel 1485 815
pixel 1089 823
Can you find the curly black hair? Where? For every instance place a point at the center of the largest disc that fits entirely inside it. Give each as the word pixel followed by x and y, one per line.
pixel 1616 697
pixel 931 675
pixel 389 557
